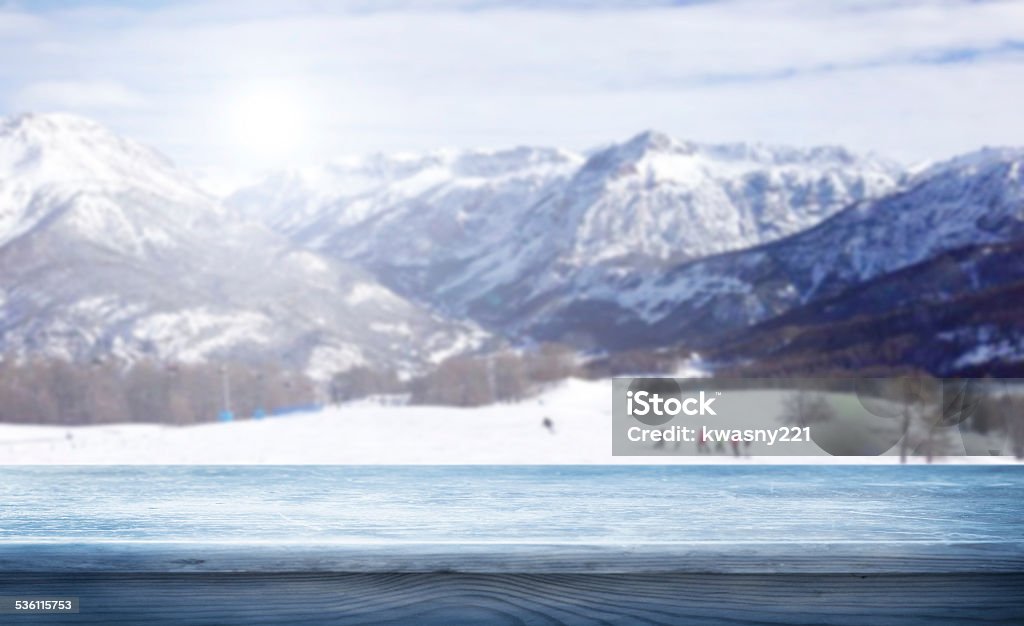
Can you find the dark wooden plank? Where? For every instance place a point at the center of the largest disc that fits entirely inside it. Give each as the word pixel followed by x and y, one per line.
pixel 512 558
pixel 440 598
pixel 517 545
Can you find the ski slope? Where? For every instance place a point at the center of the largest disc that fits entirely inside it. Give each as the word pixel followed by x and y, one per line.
pixel 372 433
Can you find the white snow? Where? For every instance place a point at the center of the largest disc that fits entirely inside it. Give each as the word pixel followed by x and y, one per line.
pixel 187 281
pixel 370 433
pixel 326 361
pixel 57 156
pixel 442 346
pixel 1004 350
pixel 191 335
pixel 484 219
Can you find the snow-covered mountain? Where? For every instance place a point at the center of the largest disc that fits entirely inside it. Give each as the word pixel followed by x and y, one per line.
pixel 413 220
pixel 107 250
pixel 51 160
pixel 957 313
pixel 975 200
pixel 495 235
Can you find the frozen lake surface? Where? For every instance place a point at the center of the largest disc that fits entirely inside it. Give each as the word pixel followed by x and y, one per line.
pixel 566 537
pixel 512 504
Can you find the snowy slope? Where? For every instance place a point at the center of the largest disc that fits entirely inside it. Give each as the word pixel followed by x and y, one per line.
pixel 657 198
pixel 368 433
pixel 50 160
pixel 491 234
pixel 971 201
pixel 412 220
pixel 107 250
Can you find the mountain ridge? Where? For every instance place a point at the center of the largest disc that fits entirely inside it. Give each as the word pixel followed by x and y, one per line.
pixel 492 249
pixel 120 267
pixel 396 261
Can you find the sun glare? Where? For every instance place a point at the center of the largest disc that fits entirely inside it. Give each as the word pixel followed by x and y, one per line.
pixel 268 121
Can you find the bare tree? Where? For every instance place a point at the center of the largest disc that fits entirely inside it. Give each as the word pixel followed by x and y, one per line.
pixel 360 382
pixel 1013 418
pixel 916 394
pixel 55 391
pixel 804 408
pixel 551 362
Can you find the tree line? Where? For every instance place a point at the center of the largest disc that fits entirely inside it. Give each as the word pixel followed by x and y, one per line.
pixel 54 391
pixel 465 380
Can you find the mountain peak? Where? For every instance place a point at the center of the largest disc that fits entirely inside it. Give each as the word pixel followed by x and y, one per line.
pixel 651 140
pixel 49 123
pixel 64 149
pixel 973 161
pixel 630 152
pixel 71 136
pixel 48 160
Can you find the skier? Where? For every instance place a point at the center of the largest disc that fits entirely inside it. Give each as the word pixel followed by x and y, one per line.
pixel 702 444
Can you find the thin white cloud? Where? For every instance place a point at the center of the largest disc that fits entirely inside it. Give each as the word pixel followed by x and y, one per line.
pixel 77 96
pixel 910 79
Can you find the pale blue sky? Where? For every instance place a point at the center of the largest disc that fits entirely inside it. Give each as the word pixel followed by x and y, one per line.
pixel 911 80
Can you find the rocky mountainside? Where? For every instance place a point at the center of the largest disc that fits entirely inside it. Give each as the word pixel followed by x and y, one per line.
pixel 753 254
pixel 500 236
pixel 957 313
pixel 107 250
pixel 976 200
pixel 415 221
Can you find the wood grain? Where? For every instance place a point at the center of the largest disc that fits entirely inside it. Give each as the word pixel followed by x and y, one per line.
pixel 578 545
pixel 512 558
pixel 528 599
